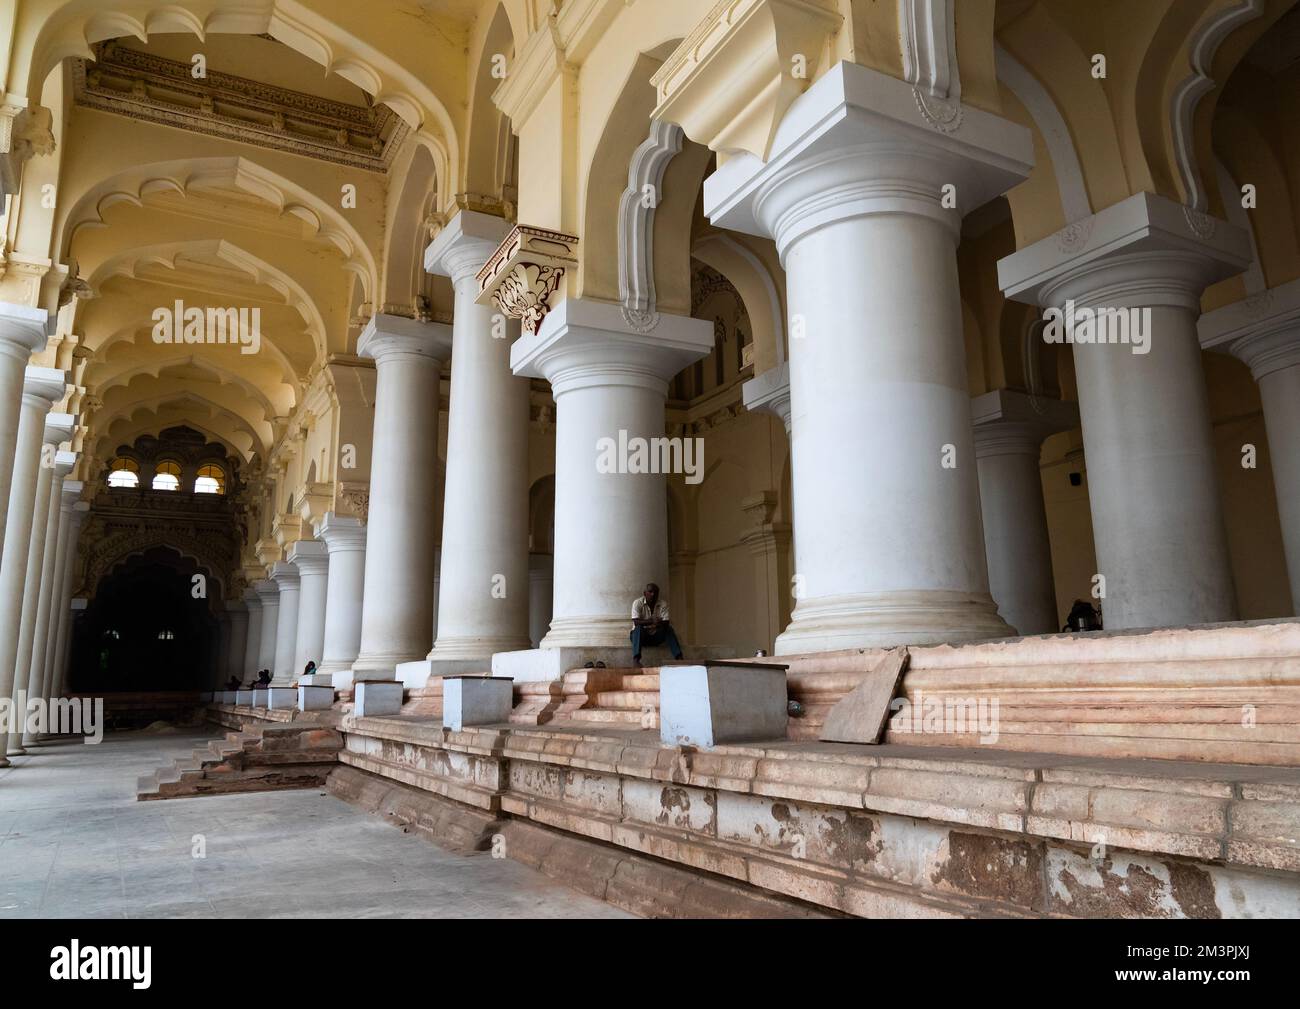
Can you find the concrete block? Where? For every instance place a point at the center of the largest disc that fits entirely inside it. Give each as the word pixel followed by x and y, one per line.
pixel 721 703
pixel 260 696
pixel 316 680
pixel 313 697
pixel 244 697
pixel 476 700
pixel 281 698
pixel 376 697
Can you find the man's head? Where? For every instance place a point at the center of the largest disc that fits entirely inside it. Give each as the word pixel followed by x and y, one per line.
pixel 652 593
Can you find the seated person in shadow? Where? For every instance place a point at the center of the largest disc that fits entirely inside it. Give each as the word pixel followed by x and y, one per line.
pixel 650 624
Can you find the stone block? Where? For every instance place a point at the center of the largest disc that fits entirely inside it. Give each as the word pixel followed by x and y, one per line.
pixel 281 698
pixel 317 680
pixel 314 697
pixel 721 703
pixel 244 697
pixel 860 716
pixel 476 700
pixel 376 697
pixel 260 695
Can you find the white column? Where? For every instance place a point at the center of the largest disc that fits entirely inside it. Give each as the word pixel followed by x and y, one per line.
pixel 42 387
pixel 345 539
pixel 63 463
pixel 400 532
pixel 541 593
pixel 611 528
pixel 483 601
pixel 1264 332
pixel 59 670
pixel 236 655
pixel 887 537
pixel 311 557
pixel 1157 520
pixel 285 575
pixel 253 637
pixel 1009 431
pixel 269 594
pixel 22 333
pixel 770 393
pixel 69 498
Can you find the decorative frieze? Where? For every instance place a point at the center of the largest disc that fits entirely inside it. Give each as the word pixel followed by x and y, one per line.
pixel 524 273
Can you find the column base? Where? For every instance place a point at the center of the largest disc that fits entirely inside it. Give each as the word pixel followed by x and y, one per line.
pixel 474 649
pixel 377 667
pixel 590 632
pixel 333 667
pixel 416 674
pixel 544 663
pixel 890 619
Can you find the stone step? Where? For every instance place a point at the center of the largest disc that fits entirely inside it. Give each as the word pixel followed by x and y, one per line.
pixel 610 716
pixel 627 699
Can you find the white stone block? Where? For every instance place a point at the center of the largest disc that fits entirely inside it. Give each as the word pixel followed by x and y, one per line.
pixel 376 697
pixel 314 697
pixel 317 680
pixel 244 697
pixel 282 698
pixel 713 704
pixel 260 696
pixel 476 700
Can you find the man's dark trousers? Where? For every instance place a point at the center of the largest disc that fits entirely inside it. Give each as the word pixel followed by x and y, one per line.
pixel 664 636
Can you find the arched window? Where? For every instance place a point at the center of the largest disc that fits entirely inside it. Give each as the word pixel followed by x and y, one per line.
pixel 211 480
pixel 167 476
pixel 124 472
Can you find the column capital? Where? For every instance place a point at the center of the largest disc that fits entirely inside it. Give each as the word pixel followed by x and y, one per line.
pixel 43 387
pixel 770 393
pixel 64 462
pixel 524 272
pixel 1143 251
pixel 465 244
pixel 1262 331
pixel 395 338
pixel 311 557
pixel 588 343
pixel 285 575
pixel 23 330
pixel 1008 422
pixel 58 428
pixel 341 532
pixel 860 143
pixel 267 591
pixel 252 598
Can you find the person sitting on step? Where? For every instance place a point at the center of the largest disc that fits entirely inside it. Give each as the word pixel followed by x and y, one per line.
pixel 650 624
pixel 263 679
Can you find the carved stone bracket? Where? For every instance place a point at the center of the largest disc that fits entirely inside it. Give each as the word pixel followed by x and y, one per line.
pixel 354 500
pixel 525 271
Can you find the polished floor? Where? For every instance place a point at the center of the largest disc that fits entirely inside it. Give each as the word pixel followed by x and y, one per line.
pixel 75 843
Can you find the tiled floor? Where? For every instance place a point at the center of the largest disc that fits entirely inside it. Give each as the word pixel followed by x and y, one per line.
pixel 75 843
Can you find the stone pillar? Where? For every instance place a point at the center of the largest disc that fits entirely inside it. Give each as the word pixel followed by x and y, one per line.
pixel 887 538
pixel 312 560
pixel 286 577
pixel 400 532
pixel 237 654
pixel 69 499
pixel 345 539
pixel 483 601
pixel 218 661
pixel 45 586
pixel 269 594
pixel 42 387
pixel 22 333
pixel 253 640
pixel 541 593
pixel 610 384
pixel 59 671
pixel 1133 274
pixel 1009 431
pixel 1264 332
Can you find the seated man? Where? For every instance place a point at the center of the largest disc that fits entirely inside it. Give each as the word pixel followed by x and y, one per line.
pixel 233 683
pixel 263 678
pixel 650 624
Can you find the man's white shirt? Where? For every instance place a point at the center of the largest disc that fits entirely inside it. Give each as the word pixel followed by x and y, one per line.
pixel 641 610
